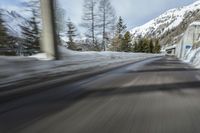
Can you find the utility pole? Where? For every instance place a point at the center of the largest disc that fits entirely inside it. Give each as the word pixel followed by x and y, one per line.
pixel 49 38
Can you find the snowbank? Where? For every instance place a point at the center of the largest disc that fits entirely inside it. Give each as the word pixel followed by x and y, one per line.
pixel 41 56
pixel 14 69
pixel 193 57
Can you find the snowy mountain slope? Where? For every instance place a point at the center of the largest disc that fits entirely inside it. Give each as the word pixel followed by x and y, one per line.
pixel 167 21
pixel 13 19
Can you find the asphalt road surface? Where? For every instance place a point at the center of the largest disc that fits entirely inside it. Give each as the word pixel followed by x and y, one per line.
pixel 161 95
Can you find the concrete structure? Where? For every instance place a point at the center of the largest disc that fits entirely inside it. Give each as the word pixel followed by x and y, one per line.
pixel 189 39
pixel 49 39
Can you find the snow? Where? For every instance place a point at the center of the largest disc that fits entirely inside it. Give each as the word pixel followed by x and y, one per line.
pixel 196 23
pixel 41 56
pixel 37 67
pixel 167 21
pixel 193 57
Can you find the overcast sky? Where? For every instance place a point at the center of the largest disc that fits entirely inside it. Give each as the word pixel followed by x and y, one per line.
pixel 134 12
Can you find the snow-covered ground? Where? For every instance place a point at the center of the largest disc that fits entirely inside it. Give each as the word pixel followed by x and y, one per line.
pixel 193 57
pixel 14 69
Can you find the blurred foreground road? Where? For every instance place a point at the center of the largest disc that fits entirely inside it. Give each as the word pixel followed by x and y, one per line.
pixel 161 95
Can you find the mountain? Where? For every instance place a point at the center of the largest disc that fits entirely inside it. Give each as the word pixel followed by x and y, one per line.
pixel 13 19
pixel 169 26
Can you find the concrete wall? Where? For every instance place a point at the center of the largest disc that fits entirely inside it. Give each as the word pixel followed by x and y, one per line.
pixel 189 38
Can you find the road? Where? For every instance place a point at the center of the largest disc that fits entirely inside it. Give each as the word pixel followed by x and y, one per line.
pixel 161 95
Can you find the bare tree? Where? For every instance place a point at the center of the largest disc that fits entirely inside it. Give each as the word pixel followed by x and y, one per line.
pixel 89 19
pixel 60 21
pixel 60 18
pixel 107 19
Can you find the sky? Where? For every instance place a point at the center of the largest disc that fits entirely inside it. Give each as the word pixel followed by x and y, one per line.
pixel 134 12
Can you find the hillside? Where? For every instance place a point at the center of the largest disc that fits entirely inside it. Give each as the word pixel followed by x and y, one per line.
pixel 170 25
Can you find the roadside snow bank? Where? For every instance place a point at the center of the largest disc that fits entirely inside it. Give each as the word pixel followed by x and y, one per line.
pixel 41 56
pixel 193 57
pixel 14 69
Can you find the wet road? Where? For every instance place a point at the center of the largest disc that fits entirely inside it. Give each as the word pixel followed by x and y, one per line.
pixel 161 95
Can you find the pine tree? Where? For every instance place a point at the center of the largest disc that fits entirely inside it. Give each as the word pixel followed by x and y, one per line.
pixel 116 41
pixel 71 34
pixel 30 33
pixel 4 37
pixel 141 45
pixel 126 42
pixel 157 46
pixel 135 48
pixel 146 46
pixel 106 19
pixel 120 29
pixel 151 46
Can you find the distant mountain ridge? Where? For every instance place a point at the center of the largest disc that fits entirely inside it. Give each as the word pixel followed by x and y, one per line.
pixel 169 26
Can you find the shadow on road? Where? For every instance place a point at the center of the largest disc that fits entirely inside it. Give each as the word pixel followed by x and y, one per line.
pixel 95 92
pixel 165 70
pixel 45 104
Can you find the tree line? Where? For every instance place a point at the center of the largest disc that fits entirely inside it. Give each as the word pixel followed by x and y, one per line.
pixel 123 41
pixel 147 45
pixel 99 21
pixel 103 31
